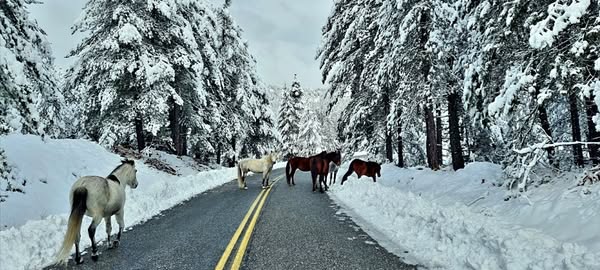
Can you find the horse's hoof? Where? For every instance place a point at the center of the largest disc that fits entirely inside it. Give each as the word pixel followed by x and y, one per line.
pixel 95 257
pixel 114 244
pixel 79 260
pixel 245 188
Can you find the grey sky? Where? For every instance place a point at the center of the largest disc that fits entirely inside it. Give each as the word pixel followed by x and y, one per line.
pixel 283 35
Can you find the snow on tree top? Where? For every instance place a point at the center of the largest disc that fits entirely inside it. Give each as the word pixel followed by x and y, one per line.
pixel 128 34
pixel 562 15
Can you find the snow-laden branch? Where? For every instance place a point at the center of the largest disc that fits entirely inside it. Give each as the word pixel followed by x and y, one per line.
pixel 544 145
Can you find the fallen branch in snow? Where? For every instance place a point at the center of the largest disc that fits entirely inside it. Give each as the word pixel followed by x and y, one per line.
pixel 592 175
pixel 476 200
pixel 160 165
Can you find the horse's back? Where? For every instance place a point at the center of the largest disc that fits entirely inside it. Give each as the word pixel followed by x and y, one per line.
pixel 301 163
pixel 255 165
pixel 98 191
pixel 90 182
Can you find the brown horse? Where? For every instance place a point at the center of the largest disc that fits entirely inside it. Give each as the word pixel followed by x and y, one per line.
pixel 319 166
pixel 303 164
pixel 366 168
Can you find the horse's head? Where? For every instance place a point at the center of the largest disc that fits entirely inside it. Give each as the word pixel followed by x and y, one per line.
pixel 129 172
pixel 378 169
pixel 335 157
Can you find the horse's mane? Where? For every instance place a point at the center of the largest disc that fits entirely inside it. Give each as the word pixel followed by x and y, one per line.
pixel 123 162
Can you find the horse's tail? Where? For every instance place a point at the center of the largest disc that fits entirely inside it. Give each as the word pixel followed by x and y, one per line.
pixel 239 174
pixel 74 226
pixel 288 172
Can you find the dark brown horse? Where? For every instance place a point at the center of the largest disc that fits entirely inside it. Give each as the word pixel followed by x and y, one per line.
pixel 319 166
pixel 303 164
pixel 366 168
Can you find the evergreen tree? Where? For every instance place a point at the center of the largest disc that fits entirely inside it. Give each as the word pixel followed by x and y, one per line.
pixel 247 118
pixel 290 114
pixel 309 139
pixel 139 59
pixel 29 98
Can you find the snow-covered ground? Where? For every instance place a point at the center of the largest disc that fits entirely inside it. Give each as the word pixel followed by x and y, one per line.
pixel 33 223
pixel 459 220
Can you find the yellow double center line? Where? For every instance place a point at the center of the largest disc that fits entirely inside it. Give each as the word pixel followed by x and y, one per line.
pixel 239 256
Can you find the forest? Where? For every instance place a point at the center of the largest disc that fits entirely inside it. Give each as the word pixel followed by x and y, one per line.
pixel 414 82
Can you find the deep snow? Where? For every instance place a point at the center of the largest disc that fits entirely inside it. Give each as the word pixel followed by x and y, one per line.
pixel 459 220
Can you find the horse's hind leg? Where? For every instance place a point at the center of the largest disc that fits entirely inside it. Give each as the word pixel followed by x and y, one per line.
pixel 78 258
pixel 108 231
pixel 121 223
pixel 92 232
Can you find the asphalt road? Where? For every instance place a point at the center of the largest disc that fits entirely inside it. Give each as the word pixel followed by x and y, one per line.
pixel 297 229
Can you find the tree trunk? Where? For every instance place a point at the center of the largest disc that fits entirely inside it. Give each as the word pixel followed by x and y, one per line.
pixel 139 132
pixel 458 161
pixel 438 144
pixel 576 129
pixel 400 150
pixel 389 152
pixel 431 138
pixel 543 116
pixel 593 135
pixel 175 127
pixel 184 143
pixel 233 161
pixel 219 154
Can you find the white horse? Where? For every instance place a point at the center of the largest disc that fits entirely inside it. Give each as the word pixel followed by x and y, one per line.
pixel 263 165
pixel 333 169
pixel 99 198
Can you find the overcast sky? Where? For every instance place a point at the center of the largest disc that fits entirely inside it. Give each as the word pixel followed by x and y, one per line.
pixel 283 35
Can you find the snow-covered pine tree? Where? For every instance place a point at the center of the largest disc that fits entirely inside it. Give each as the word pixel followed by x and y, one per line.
pixel 29 98
pixel 348 41
pixel 127 65
pixel 290 113
pixel 310 141
pixel 247 118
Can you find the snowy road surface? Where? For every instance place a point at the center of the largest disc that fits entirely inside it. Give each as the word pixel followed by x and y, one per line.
pixel 297 229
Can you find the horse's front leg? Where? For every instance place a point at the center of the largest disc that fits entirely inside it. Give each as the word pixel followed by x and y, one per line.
pixel 92 232
pixel 108 231
pixel 374 178
pixel 119 215
pixel 321 180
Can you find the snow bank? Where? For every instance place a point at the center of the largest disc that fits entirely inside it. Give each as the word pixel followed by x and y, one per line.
pixel 37 220
pixel 459 220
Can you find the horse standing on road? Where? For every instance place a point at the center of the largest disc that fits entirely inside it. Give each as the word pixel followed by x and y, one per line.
pixel 263 165
pixel 319 167
pixel 304 164
pixel 99 198
pixel 366 168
